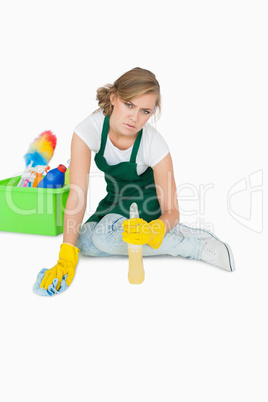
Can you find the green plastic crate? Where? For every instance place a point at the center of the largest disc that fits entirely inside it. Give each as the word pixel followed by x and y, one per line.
pixel 32 210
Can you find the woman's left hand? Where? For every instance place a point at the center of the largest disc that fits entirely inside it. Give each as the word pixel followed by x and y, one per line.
pixel 138 231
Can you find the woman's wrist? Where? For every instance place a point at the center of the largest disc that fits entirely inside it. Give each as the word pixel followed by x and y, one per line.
pixel 70 244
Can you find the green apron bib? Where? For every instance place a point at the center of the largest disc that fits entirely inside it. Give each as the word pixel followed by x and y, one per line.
pixel 125 186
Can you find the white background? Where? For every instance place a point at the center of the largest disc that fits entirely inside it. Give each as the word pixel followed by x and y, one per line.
pixel 191 331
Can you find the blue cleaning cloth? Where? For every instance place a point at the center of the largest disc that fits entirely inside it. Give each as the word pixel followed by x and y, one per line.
pixel 51 291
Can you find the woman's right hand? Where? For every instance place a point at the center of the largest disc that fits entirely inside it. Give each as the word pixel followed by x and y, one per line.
pixel 68 258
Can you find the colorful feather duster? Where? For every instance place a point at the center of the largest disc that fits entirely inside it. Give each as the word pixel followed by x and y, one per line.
pixel 41 150
pixel 39 154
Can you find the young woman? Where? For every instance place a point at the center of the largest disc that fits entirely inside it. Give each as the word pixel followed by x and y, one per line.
pixel 138 167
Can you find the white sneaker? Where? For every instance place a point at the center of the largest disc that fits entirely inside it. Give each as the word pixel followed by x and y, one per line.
pixel 217 253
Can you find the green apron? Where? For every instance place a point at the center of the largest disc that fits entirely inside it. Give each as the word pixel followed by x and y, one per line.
pixel 125 186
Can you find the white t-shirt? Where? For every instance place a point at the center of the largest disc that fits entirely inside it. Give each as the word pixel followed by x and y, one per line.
pixel 153 148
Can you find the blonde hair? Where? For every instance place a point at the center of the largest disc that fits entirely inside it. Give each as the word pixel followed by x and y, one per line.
pixel 133 83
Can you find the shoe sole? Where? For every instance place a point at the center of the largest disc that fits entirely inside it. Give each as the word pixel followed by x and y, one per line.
pixel 230 254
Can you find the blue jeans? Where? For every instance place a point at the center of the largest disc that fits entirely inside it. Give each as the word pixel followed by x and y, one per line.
pixel 104 239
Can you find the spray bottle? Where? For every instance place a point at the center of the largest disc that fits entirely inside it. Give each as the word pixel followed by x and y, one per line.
pixel 36 175
pixel 136 272
pixel 39 170
pixel 26 175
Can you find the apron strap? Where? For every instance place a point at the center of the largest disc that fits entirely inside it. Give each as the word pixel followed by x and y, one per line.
pixel 136 147
pixel 104 135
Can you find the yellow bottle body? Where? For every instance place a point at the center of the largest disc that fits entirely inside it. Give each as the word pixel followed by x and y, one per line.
pixel 136 272
pixel 67 177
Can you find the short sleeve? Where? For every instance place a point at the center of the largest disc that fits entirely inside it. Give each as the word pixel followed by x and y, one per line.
pixel 157 148
pixel 90 132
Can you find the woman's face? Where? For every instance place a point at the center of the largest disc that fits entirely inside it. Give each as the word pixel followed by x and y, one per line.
pixel 128 118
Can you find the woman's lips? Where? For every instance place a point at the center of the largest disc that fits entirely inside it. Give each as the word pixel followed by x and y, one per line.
pixel 129 126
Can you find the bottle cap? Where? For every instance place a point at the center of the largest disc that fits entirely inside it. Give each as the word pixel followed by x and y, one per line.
pixel 62 168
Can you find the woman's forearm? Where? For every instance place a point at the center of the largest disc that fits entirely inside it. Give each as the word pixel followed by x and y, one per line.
pixel 73 217
pixel 170 219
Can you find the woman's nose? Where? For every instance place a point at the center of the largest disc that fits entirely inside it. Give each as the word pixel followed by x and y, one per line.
pixel 135 115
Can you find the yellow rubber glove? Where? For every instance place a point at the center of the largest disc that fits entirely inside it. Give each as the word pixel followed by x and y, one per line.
pixel 138 231
pixel 68 258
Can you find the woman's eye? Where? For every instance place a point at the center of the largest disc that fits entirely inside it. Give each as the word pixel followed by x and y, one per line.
pixel 129 105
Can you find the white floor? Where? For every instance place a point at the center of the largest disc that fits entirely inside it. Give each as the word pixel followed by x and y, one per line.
pixel 190 331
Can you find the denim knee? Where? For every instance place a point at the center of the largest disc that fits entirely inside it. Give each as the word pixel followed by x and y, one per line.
pixel 111 221
pixel 108 232
pixel 85 243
